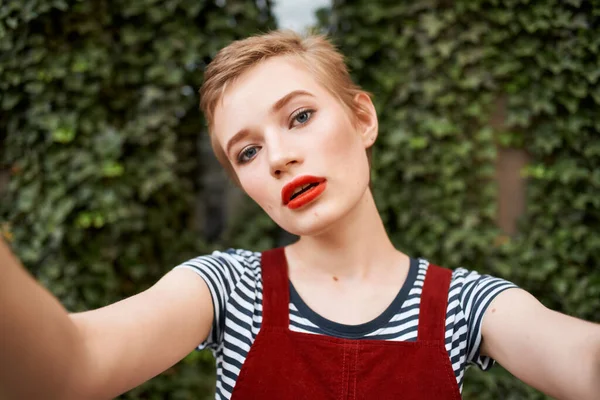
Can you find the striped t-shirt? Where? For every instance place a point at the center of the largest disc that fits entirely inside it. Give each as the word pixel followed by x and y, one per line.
pixel 235 283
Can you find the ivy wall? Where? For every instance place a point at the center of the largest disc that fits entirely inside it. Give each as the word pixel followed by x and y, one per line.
pixel 457 83
pixel 102 145
pixel 106 177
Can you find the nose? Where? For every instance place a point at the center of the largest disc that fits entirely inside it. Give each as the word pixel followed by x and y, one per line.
pixel 282 156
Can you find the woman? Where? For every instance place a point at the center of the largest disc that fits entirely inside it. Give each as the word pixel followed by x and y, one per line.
pixel 340 313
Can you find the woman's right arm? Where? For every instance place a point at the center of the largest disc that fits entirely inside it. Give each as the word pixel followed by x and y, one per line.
pixel 47 353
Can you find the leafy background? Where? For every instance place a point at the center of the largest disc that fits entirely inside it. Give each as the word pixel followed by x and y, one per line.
pixel 110 181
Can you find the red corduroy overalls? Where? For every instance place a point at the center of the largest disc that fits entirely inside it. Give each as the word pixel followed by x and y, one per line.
pixel 283 364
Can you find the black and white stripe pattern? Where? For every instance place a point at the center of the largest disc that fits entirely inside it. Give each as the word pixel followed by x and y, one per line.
pixel 235 283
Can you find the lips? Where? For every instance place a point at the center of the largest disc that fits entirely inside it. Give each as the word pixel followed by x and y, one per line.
pixel 302 190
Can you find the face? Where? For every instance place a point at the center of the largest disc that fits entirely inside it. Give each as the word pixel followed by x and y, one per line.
pixel 294 146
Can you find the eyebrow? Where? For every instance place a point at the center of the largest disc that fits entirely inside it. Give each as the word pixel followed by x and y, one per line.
pixel 279 104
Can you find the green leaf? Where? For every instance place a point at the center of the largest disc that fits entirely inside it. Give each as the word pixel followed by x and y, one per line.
pixel 112 169
pixel 63 135
pixel 418 143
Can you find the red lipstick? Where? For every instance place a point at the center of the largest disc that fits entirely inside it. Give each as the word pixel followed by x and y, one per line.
pixel 302 190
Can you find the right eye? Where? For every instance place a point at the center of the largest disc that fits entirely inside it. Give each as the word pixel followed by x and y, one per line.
pixel 247 154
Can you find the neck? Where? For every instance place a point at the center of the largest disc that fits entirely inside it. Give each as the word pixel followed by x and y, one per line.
pixel 355 247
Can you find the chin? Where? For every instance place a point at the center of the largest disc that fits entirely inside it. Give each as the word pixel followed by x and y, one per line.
pixel 315 220
pixel 308 228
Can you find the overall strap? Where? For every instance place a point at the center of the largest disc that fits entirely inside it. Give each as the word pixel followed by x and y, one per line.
pixel 434 301
pixel 276 294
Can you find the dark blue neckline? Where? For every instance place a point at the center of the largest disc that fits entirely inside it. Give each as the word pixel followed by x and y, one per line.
pixel 357 331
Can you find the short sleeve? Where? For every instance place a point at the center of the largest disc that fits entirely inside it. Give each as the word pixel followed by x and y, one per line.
pixel 222 271
pixel 476 293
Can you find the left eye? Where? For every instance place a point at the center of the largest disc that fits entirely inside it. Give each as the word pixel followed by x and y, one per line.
pixel 301 117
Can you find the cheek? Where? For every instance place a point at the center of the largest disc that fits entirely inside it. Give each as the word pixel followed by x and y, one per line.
pixel 346 157
pixel 256 186
pixel 267 197
pixel 252 187
pixel 342 146
pixel 338 133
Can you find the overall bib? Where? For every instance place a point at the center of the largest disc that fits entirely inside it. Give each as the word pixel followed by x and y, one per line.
pixel 283 364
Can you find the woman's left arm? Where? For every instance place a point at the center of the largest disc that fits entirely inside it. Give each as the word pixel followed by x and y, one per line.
pixel 552 352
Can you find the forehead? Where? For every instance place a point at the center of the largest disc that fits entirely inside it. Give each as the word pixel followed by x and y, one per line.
pixel 250 97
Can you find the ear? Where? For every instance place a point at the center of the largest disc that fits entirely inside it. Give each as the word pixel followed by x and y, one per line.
pixel 366 118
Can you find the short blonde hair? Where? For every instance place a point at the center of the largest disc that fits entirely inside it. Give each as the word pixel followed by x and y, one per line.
pixel 315 52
